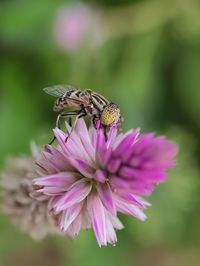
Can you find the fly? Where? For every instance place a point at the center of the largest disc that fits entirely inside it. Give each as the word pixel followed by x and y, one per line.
pixel 87 103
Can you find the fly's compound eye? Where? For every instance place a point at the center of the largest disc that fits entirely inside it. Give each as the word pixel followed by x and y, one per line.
pixel 110 114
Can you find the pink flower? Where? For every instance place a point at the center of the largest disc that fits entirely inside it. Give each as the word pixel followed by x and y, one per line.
pixel 89 180
pixel 74 24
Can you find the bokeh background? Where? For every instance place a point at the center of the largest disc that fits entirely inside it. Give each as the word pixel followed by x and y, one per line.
pixel 145 56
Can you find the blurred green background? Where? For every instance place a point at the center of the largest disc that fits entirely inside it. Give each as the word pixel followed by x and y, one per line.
pixel 143 55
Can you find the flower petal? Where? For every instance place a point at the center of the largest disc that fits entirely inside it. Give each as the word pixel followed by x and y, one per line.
pixel 138 187
pixel 97 215
pixel 114 165
pixel 110 232
pixel 73 146
pixel 115 221
pixel 100 145
pixel 111 136
pixel 106 196
pixel 75 227
pixel 57 158
pixel 129 209
pixel 83 167
pixel 61 138
pixel 100 176
pixel 125 141
pixel 76 194
pixel 62 179
pixel 82 131
pixel 55 184
pixel 69 215
pixel 81 137
pixel 103 153
pixel 133 199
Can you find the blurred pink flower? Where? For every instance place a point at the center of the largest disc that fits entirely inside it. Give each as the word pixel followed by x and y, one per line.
pixel 73 25
pixel 88 179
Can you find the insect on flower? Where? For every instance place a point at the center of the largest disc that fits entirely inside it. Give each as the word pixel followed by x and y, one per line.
pixel 90 180
pixel 88 103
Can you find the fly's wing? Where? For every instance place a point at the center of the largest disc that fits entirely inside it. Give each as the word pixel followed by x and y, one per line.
pixel 59 90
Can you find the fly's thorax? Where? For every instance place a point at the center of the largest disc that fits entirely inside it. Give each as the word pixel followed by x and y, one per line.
pixel 110 114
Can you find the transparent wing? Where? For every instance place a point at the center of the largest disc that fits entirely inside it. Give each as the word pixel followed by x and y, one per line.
pixel 59 90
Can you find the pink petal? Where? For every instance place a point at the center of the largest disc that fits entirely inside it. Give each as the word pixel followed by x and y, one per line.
pixel 129 209
pixel 101 142
pixel 69 215
pixel 80 145
pixel 89 149
pixel 114 165
pixel 51 191
pixel 110 232
pixel 57 158
pixel 51 160
pixel 125 144
pixel 83 167
pixel 115 221
pixel 97 215
pixel 124 141
pixel 61 138
pixel 103 153
pixel 143 142
pixel 111 136
pixel 76 194
pixel 85 218
pixel 104 157
pixel 100 176
pixel 76 149
pixel 44 168
pixel 106 196
pixel 127 171
pixel 82 131
pixel 82 128
pixel 136 161
pixel 93 136
pixel 72 147
pixel 133 199
pixel 62 179
pixel 138 187
pixel 74 227
pixel 100 145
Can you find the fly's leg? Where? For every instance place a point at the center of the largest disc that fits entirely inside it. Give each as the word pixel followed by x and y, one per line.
pixel 81 113
pixel 54 138
pixel 58 126
pixel 105 133
pixel 58 121
pixel 65 114
pixel 70 121
pixel 97 125
pixel 96 122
